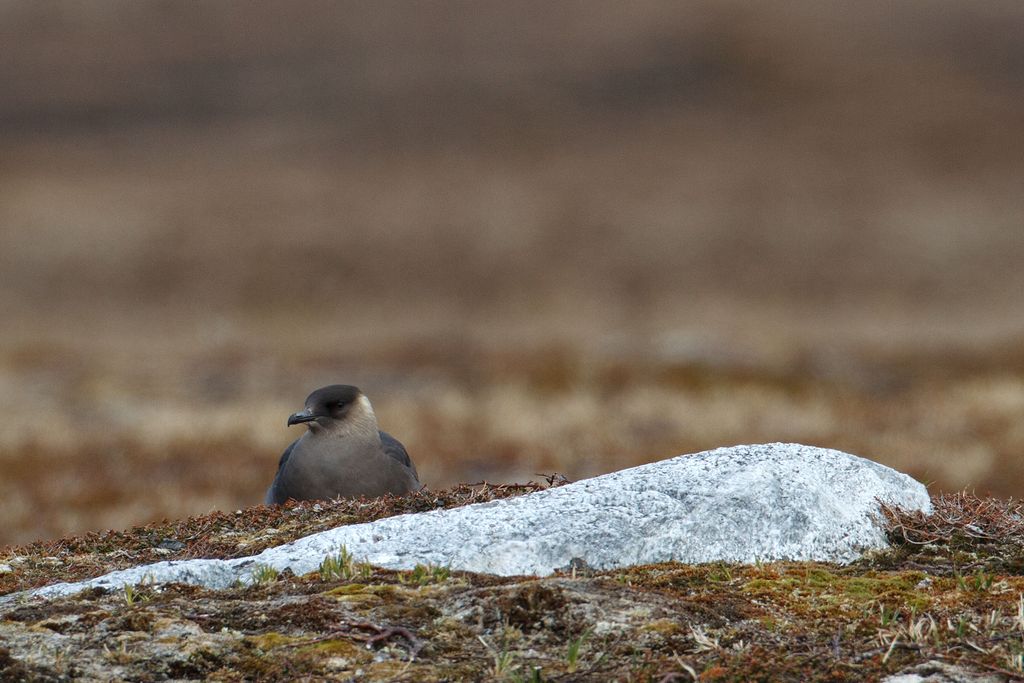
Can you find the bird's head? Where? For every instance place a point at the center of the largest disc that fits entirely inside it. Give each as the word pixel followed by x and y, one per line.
pixel 336 407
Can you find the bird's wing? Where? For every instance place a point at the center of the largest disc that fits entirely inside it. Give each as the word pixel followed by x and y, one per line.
pixel 284 456
pixel 394 448
pixel 271 496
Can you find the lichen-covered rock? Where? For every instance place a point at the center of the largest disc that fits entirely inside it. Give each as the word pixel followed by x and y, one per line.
pixel 942 672
pixel 737 504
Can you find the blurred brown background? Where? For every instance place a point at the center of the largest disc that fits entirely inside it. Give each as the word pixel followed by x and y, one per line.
pixel 568 236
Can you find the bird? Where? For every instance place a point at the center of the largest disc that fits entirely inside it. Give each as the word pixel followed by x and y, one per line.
pixel 343 452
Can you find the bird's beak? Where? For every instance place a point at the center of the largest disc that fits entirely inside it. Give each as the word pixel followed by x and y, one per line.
pixel 298 418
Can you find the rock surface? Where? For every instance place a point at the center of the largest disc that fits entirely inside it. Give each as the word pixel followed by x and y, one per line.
pixel 737 504
pixel 942 672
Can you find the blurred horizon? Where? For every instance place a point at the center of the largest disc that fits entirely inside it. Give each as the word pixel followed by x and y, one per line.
pixel 542 237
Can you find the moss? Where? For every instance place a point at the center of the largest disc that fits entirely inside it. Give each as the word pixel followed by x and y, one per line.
pixel 360 599
pixel 821 589
pixel 664 627
pixel 271 640
pixel 339 647
pixel 362 589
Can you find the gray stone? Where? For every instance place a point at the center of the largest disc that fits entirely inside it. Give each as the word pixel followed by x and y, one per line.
pixel 739 504
pixel 942 672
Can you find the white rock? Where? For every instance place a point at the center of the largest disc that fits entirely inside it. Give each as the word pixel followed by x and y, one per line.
pixel 738 504
pixel 942 672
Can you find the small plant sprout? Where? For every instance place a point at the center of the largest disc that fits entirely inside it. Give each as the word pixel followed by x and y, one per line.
pixel 264 574
pixel 572 655
pixel 503 659
pixel 887 616
pixel 535 676
pixel 133 595
pixel 340 566
pixel 962 626
pixel 423 574
pixel 978 582
pixel 720 572
pixel 503 662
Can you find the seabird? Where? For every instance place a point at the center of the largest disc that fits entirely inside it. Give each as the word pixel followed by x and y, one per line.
pixel 343 453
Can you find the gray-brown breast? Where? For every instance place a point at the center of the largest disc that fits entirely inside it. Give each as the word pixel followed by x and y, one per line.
pixel 318 467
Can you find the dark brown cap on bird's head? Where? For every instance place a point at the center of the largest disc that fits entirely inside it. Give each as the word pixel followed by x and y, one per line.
pixel 328 403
